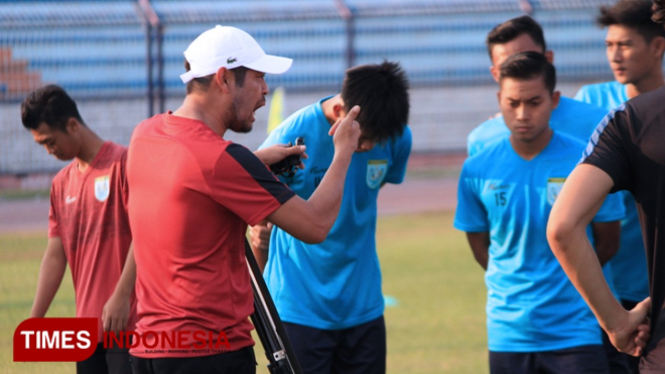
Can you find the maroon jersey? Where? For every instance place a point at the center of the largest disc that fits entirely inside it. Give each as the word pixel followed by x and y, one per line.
pixel 192 195
pixel 88 213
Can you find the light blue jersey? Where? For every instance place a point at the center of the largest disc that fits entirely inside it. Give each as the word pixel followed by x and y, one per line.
pixel 335 284
pixel 629 265
pixel 570 117
pixel 531 304
pixel 608 95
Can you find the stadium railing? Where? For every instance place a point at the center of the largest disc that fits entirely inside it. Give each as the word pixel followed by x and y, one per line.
pixel 111 58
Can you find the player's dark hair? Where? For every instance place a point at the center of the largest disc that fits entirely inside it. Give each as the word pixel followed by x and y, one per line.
pixel 202 84
pixel 508 31
pixel 527 66
pixel 635 14
pixel 382 92
pixel 51 105
pixel 658 11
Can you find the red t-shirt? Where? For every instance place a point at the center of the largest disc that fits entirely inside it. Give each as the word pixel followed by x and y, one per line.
pixel 88 213
pixel 193 194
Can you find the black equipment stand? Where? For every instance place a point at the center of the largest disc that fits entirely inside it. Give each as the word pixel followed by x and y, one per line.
pixel 268 325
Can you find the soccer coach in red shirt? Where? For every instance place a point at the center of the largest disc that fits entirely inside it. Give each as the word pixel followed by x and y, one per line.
pixel 193 193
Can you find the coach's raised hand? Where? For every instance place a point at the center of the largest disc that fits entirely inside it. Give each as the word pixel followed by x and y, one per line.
pixel 311 220
pixel 346 132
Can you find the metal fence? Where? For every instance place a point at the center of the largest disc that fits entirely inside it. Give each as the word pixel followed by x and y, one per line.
pixel 121 60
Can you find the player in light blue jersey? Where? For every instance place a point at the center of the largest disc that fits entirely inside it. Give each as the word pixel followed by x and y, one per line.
pixel 634 46
pixel 329 294
pixel 608 95
pixel 571 117
pixel 536 321
pixel 523 34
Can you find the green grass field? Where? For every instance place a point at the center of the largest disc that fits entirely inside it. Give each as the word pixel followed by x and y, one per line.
pixel 438 325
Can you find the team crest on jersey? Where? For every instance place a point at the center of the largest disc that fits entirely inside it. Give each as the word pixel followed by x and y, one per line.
pixel 553 188
pixel 102 187
pixel 376 172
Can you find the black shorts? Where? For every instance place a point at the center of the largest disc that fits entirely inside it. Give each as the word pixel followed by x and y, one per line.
pixel 241 361
pixel 586 359
pixel 106 361
pixel 359 349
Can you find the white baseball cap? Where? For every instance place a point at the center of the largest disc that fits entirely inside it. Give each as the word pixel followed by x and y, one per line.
pixel 229 47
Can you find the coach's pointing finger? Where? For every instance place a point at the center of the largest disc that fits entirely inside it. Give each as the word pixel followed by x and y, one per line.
pixel 347 131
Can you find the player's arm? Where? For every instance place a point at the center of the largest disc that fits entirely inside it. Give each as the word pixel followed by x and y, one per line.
pixel 400 153
pixel 51 272
pixel 579 200
pixel 259 238
pixel 278 152
pixel 259 235
pixel 606 237
pixel 311 220
pixel 116 310
pixel 480 244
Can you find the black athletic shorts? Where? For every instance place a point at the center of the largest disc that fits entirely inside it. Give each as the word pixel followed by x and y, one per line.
pixel 241 361
pixel 360 349
pixel 106 361
pixel 586 359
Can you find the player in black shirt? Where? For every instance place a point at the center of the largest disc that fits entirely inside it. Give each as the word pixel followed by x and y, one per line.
pixel 627 152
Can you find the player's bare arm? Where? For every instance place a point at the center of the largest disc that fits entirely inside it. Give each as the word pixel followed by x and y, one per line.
pixel 260 233
pixel 311 220
pixel 51 272
pixel 579 201
pixel 278 152
pixel 607 237
pixel 259 238
pixel 480 244
pixel 116 310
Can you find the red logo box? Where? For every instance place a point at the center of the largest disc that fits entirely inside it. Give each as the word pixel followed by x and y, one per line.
pixel 55 339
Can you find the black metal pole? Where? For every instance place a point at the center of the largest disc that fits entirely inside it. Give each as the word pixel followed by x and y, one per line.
pixel 148 58
pixel 350 42
pixel 526 7
pixel 152 26
pixel 347 15
pixel 160 68
pixel 268 325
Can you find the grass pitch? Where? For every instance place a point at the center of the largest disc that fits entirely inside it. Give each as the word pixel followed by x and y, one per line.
pixel 437 326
